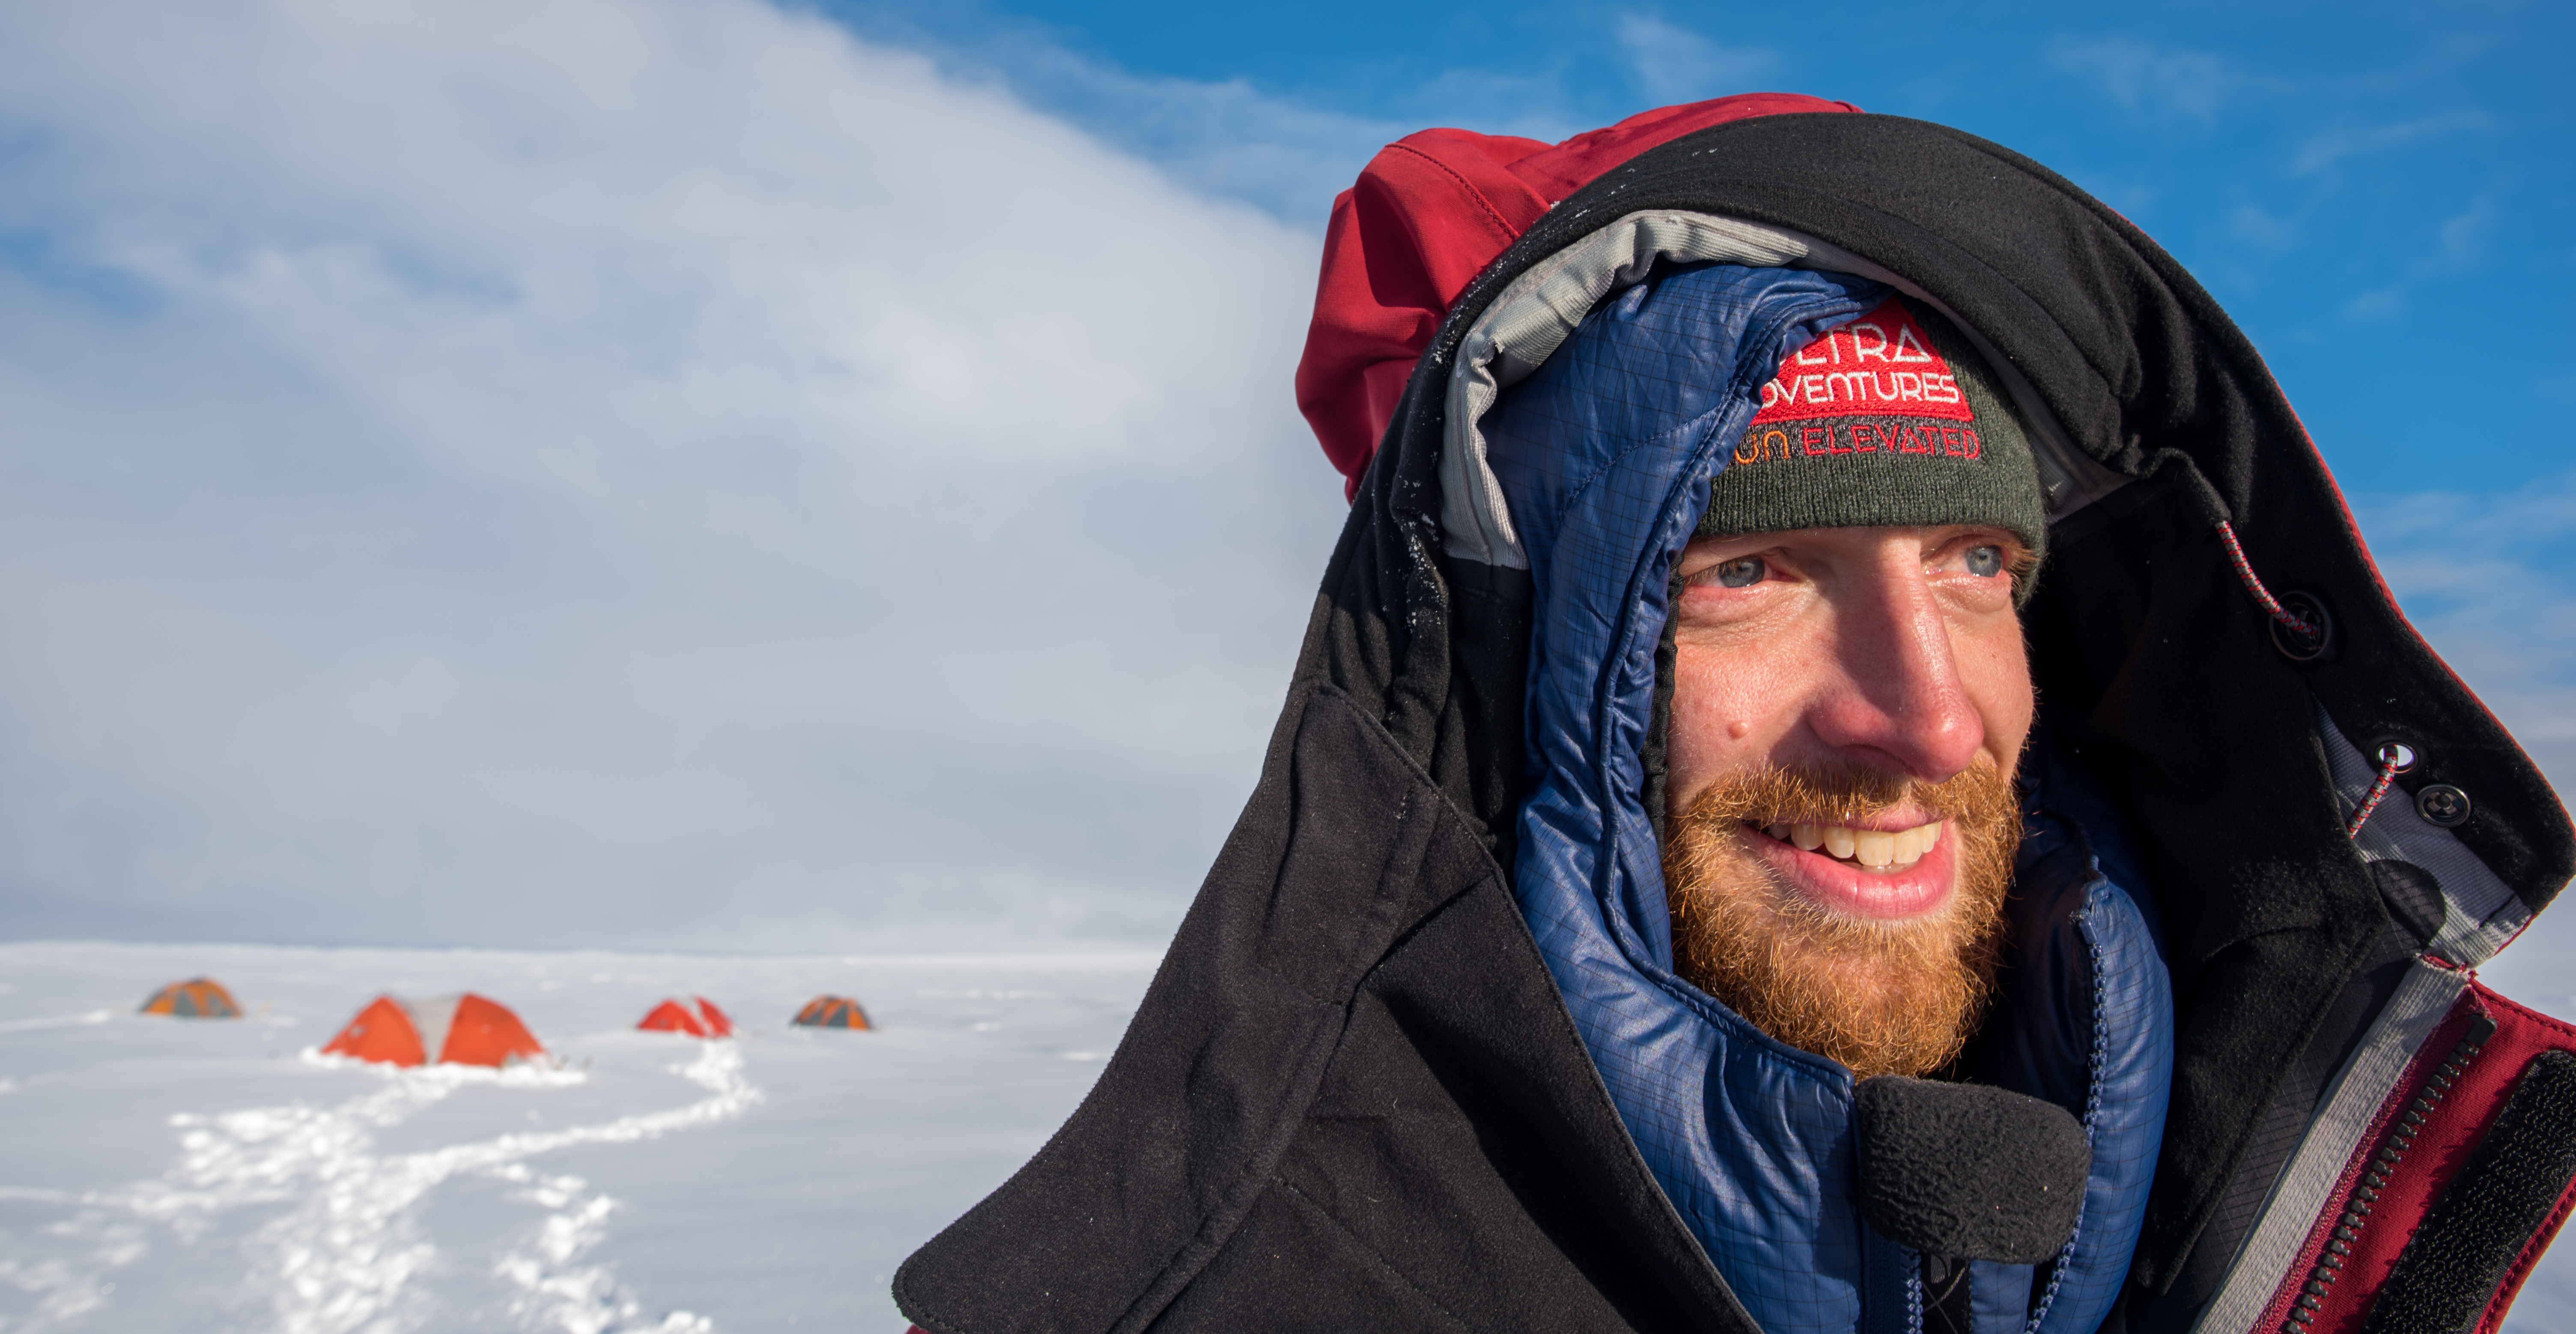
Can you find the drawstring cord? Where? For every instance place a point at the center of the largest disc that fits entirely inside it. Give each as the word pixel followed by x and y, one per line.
pixel 2388 757
pixel 2391 758
pixel 2298 624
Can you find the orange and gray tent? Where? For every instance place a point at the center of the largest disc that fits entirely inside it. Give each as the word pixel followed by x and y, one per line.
pixel 833 1012
pixel 698 1017
pixel 196 998
pixel 463 1030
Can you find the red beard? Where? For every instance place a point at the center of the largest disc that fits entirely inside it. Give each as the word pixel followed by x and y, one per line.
pixel 1884 998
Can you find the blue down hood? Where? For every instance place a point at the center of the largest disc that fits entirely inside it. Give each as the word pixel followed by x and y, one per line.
pixel 1604 455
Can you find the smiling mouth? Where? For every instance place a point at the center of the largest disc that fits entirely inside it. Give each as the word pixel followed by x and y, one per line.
pixel 1868 849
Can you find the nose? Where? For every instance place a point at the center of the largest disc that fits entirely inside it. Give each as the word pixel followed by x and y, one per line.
pixel 1892 696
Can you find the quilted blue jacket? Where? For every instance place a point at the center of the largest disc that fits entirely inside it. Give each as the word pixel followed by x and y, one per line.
pixel 1754 1140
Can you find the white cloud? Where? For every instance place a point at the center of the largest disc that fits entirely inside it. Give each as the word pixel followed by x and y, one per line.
pixel 2484 578
pixel 1227 138
pixel 651 471
pixel 1672 63
pixel 2333 146
pixel 2260 230
pixel 2149 77
pixel 2464 234
pixel 2377 304
pixel 1285 152
pixel 2457 246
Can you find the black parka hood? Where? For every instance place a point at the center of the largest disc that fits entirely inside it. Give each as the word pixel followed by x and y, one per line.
pixel 1358 931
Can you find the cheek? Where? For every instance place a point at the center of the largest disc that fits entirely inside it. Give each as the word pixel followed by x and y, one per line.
pixel 1995 669
pixel 1724 710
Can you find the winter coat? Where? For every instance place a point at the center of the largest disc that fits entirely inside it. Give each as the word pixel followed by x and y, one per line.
pixel 1414 1059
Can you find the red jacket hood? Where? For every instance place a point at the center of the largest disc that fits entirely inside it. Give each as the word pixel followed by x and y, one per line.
pixel 1429 212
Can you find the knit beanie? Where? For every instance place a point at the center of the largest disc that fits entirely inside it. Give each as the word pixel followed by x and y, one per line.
pixel 1891 420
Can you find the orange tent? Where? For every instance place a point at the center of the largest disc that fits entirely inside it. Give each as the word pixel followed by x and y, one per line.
pixel 463 1030
pixel 704 1021
pixel 833 1012
pixel 196 998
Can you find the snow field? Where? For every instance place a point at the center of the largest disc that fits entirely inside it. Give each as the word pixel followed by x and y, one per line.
pixel 206 1175
pixel 160 1174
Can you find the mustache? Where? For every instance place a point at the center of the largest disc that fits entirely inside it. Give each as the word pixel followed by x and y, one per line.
pixel 1843 792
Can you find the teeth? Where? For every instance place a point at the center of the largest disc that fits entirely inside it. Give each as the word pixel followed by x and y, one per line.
pixel 1874 847
pixel 1877 849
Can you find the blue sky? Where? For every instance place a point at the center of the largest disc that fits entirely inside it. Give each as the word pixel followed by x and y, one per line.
pixel 724 474
pixel 2354 182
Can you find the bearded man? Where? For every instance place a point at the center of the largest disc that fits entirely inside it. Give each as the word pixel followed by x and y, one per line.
pixel 1850 772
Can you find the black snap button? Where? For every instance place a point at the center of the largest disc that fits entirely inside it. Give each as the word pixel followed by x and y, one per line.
pixel 2308 645
pixel 2442 804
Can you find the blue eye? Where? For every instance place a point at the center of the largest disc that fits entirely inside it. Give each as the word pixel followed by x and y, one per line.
pixel 1742 572
pixel 1985 562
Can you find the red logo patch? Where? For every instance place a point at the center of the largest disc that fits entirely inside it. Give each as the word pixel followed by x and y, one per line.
pixel 1880 365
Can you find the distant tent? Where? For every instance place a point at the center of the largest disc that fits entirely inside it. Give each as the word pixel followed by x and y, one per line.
pixel 833 1012
pixel 196 998
pixel 463 1030
pixel 703 1021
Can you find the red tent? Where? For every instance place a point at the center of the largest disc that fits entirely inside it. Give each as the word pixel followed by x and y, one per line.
pixel 464 1030
pixel 196 998
pixel 833 1012
pixel 703 1021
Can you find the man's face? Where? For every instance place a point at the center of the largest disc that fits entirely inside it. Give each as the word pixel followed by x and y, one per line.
pixel 1849 705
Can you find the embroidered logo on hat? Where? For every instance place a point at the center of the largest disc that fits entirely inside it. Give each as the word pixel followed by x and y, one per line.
pixel 1892 419
pixel 1866 388
pixel 1882 362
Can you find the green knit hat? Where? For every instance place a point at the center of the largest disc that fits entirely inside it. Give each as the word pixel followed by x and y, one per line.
pixel 1891 420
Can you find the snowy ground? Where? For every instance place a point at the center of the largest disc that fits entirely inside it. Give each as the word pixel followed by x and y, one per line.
pixel 158 1174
